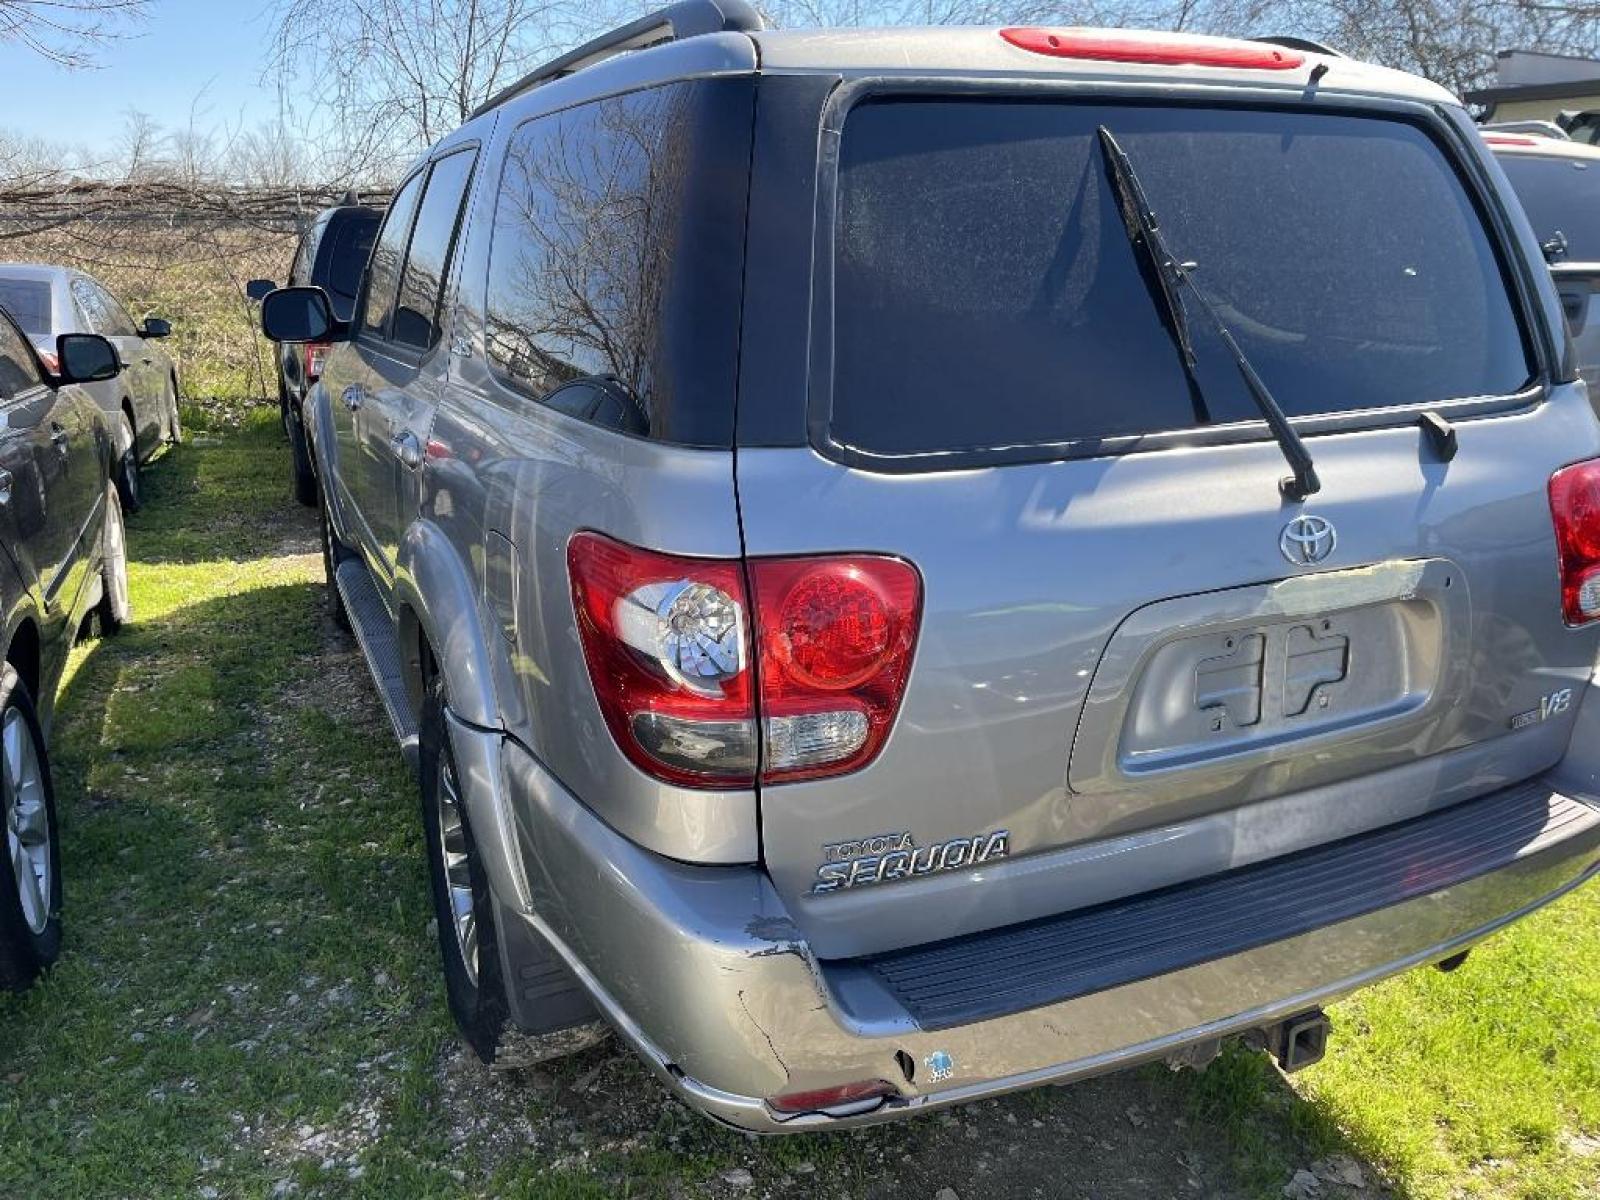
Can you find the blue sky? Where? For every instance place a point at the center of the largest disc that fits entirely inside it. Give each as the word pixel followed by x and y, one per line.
pixel 188 56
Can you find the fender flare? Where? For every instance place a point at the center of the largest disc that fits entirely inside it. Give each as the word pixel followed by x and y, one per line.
pixel 436 601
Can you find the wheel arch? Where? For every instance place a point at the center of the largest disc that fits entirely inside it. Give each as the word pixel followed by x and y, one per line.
pixel 24 652
pixel 439 614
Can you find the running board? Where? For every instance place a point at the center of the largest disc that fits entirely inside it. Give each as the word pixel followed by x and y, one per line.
pixel 374 630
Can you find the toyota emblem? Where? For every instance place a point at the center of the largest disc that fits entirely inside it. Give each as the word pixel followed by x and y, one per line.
pixel 1308 540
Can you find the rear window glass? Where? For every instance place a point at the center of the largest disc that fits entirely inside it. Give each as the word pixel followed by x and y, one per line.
pixel 349 244
pixel 28 302
pixel 987 294
pixel 1560 195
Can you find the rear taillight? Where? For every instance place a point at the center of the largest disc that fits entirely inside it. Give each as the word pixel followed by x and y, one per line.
pixel 701 687
pixel 50 361
pixel 1575 504
pixel 316 355
pixel 835 636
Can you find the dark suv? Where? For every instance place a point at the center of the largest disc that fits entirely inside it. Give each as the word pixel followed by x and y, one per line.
pixel 922 562
pixel 63 558
pixel 331 255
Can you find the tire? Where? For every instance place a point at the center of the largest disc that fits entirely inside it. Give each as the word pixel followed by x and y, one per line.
pixel 333 553
pixel 128 482
pixel 30 914
pixel 174 417
pixel 462 905
pixel 114 608
pixel 302 473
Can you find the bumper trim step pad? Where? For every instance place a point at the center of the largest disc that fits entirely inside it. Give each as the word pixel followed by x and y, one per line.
pixel 1015 968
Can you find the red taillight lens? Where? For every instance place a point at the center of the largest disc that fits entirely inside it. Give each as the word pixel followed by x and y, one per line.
pixel 666 640
pixel 50 361
pixel 316 355
pixel 834 1097
pixel 1160 49
pixel 1575 505
pixel 672 647
pixel 835 637
pixel 1508 139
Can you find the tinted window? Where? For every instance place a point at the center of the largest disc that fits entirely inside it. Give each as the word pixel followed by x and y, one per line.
pixel 617 255
pixel 19 371
pixel 299 271
pixel 1560 195
pixel 383 276
pixel 416 320
pixel 347 247
pixel 90 307
pixel 118 322
pixel 28 302
pixel 987 294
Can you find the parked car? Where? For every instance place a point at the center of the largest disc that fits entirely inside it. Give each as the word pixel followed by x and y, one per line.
pixel 142 401
pixel 332 254
pixel 920 563
pixel 1558 182
pixel 63 558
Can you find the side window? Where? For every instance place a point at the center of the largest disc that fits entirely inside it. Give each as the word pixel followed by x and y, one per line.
pixel 300 269
pixel 118 322
pixel 19 370
pixel 383 274
pixel 88 302
pixel 416 318
pixel 582 253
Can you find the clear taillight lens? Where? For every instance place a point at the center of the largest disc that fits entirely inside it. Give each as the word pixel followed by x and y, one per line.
pixel 673 646
pixel 1575 505
pixel 666 642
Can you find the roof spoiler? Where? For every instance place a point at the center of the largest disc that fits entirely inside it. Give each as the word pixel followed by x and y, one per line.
pixel 1306 45
pixel 686 19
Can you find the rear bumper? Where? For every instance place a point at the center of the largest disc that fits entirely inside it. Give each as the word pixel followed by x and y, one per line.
pixel 702 971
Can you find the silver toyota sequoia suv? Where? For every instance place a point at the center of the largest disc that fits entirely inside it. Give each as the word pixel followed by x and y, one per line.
pixel 915 564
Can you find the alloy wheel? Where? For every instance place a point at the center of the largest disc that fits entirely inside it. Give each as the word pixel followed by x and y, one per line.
pixel 27 820
pixel 457 870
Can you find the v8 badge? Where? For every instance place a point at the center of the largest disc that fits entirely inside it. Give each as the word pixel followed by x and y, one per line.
pixel 1552 705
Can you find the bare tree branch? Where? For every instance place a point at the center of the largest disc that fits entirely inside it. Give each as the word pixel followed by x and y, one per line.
pixel 67 31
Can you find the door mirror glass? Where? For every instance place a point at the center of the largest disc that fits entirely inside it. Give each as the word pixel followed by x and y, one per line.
pixel 257 289
pixel 86 358
pixel 155 327
pixel 299 314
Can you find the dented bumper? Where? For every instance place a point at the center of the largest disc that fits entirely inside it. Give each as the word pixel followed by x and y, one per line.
pixel 703 972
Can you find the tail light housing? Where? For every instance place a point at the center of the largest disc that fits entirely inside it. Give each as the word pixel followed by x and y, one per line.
pixel 715 672
pixel 316 353
pixel 1575 507
pixel 50 361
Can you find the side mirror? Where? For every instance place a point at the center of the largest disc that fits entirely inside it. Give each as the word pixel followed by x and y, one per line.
pixel 155 327
pixel 300 314
pixel 86 358
pixel 257 289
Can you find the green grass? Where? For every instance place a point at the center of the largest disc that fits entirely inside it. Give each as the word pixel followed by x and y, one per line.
pixel 250 1003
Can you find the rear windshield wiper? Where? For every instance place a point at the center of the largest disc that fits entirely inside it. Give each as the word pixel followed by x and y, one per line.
pixel 1171 273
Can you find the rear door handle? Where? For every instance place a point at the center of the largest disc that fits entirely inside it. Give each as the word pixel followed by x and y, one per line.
pixel 407 449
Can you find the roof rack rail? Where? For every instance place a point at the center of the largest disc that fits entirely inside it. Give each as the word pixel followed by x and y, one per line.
pixel 686 19
pixel 1290 42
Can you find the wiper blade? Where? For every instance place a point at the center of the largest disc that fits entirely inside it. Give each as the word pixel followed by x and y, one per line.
pixel 1171 273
